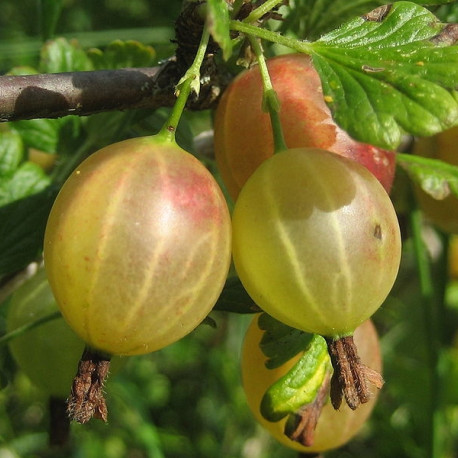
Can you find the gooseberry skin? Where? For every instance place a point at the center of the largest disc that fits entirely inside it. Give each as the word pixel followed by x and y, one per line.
pixel 243 136
pixel 444 146
pixel 137 246
pixel 316 241
pixel 49 353
pixel 335 427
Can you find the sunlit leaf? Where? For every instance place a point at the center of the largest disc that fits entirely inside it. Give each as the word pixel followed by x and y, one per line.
pixel 437 178
pixel 392 71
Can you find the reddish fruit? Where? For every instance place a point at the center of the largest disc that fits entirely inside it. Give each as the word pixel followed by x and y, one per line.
pixel 243 133
pixel 137 246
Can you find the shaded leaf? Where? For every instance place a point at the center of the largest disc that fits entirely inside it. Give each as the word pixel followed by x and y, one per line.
pixel 123 54
pixel 28 179
pixel 389 72
pixel 11 153
pixel 280 342
pixel 42 134
pixel 235 299
pixel 435 177
pixel 62 55
pixel 22 225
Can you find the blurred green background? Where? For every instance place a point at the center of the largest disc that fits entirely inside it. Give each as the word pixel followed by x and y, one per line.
pixel 187 400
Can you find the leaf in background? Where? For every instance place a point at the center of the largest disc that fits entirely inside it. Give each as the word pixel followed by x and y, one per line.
pixel 123 54
pixel 11 153
pixel 22 225
pixel 42 134
pixel 280 342
pixel 18 179
pixel 49 12
pixel 391 71
pixel 435 177
pixel 28 179
pixel 62 55
pixel 218 25
pixel 235 299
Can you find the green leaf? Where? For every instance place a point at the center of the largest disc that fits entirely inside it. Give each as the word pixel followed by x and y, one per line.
pixel 310 19
pixel 280 342
pixel 28 179
pixel 235 299
pixel 300 385
pixel 218 25
pixel 42 134
pixel 61 55
pixel 11 153
pixel 22 225
pixel 123 54
pixel 18 179
pixel 390 72
pixel 435 177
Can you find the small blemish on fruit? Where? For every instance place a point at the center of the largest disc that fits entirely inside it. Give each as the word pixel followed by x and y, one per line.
pixel 171 128
pixel 378 232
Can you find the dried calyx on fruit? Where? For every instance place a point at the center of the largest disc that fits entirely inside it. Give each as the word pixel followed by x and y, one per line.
pixel 313 427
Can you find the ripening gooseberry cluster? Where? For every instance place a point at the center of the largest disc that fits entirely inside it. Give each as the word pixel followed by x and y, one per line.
pixel 139 241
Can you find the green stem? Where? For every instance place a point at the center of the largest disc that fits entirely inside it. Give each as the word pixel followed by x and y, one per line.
pixel 190 81
pixel 28 326
pixel 270 100
pixel 261 10
pixel 433 333
pixel 299 46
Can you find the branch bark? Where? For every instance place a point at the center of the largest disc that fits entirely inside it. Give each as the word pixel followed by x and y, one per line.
pixel 83 93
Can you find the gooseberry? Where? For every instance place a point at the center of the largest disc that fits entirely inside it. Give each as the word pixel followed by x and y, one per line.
pixel 137 246
pixel 49 353
pixel 243 136
pixel 335 427
pixel 316 244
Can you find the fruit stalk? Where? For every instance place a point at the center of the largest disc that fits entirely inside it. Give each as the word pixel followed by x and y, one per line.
pixel 86 399
pixel 270 100
pixel 274 37
pixel 189 82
